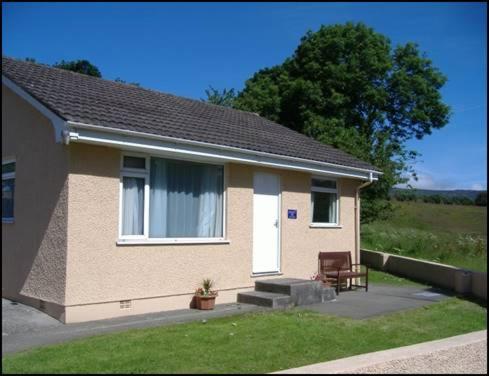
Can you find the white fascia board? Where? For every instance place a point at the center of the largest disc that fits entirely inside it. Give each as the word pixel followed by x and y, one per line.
pixel 199 151
pixel 58 123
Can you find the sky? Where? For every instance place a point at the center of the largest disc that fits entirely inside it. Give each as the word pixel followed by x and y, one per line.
pixel 182 48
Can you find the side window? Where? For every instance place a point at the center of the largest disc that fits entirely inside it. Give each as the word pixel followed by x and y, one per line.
pixel 8 190
pixel 324 201
pixel 134 178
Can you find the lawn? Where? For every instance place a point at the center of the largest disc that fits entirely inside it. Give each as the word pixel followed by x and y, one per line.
pixel 376 276
pixel 450 234
pixel 250 343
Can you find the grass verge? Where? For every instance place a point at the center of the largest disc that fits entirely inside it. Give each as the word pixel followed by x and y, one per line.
pixel 251 343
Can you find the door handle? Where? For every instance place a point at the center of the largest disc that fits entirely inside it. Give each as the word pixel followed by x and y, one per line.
pixel 276 223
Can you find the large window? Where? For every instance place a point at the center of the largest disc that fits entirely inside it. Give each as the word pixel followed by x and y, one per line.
pixel 8 190
pixel 324 202
pixel 170 199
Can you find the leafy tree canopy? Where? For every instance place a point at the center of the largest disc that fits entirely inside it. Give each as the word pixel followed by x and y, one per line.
pixel 345 85
pixel 225 98
pixel 79 66
pixel 481 199
pixel 118 79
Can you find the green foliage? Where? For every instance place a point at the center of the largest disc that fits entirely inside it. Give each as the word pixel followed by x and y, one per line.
pixel 121 81
pixel 205 289
pixel 447 200
pixel 79 66
pixel 405 196
pixel 207 284
pixel 481 199
pixel 454 235
pixel 346 86
pixel 225 98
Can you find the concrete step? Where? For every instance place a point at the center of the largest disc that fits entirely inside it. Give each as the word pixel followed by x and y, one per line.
pixel 301 291
pixel 265 299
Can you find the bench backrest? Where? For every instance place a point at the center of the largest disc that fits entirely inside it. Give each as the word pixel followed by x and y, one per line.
pixel 334 260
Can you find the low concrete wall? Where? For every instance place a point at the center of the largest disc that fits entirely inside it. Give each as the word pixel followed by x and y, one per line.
pixel 479 285
pixel 460 280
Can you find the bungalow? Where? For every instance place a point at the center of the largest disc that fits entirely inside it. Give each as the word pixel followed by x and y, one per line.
pixel 118 200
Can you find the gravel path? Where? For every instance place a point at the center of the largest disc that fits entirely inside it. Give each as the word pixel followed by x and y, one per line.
pixel 465 353
pixel 471 358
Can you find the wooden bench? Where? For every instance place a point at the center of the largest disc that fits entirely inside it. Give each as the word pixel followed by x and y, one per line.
pixel 337 267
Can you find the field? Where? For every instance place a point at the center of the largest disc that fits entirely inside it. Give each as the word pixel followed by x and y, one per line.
pixel 449 234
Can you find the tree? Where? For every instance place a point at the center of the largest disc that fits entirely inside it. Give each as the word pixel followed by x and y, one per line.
pixel 118 79
pixel 481 199
pixel 345 85
pixel 214 96
pixel 79 66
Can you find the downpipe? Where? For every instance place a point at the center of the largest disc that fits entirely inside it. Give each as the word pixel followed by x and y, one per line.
pixel 357 219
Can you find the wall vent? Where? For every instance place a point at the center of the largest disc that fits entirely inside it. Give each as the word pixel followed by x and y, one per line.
pixel 42 305
pixel 125 304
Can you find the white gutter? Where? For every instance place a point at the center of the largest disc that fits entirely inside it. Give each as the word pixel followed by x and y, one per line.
pixel 141 139
pixel 357 218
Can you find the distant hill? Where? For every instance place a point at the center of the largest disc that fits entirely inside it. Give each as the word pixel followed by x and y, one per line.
pixel 471 194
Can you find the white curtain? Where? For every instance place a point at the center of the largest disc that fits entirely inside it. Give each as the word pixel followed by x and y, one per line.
pixel 158 199
pixel 332 207
pixel 133 199
pixel 209 223
pixel 186 199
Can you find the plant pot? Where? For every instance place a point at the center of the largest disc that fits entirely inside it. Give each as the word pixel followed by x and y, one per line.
pixel 205 302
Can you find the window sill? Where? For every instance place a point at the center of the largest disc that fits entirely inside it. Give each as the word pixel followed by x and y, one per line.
pixel 257 275
pixel 325 225
pixel 171 241
pixel 8 220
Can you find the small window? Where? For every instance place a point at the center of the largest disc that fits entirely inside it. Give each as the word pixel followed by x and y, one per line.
pixel 318 183
pixel 324 201
pixel 134 162
pixel 8 190
pixel 133 205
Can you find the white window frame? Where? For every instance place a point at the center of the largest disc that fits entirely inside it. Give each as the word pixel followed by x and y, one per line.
pixel 336 223
pixel 140 173
pixel 8 176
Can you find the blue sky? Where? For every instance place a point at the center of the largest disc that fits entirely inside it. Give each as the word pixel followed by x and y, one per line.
pixel 183 48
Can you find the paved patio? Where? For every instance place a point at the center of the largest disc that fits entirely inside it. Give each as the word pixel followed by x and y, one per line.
pixel 379 300
pixel 24 327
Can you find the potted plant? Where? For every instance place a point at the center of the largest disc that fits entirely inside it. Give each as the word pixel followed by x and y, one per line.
pixel 205 298
pixel 317 277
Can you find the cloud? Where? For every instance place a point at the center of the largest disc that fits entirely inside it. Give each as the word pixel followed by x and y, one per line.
pixel 478 187
pixel 426 181
pixel 429 180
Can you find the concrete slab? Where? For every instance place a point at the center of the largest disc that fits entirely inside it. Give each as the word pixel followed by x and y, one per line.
pixel 379 300
pixel 19 318
pixel 24 327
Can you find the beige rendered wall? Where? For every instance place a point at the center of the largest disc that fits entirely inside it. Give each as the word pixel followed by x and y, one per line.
pixel 157 277
pixel 34 246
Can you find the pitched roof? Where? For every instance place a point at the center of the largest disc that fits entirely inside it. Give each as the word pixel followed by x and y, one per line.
pixel 85 99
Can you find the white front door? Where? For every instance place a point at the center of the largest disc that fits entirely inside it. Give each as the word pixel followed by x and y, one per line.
pixel 266 223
